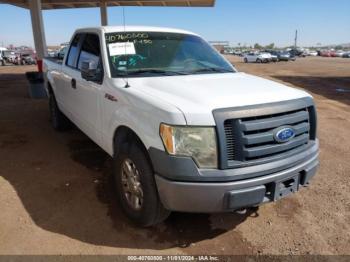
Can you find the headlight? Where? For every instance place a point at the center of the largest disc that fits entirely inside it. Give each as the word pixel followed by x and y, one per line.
pixel 196 142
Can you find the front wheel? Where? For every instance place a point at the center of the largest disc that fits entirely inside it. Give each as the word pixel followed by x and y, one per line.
pixel 136 187
pixel 259 61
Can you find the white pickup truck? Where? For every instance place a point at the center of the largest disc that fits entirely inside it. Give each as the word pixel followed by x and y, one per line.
pixel 187 132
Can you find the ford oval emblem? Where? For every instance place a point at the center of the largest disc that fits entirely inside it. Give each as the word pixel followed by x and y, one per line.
pixel 284 134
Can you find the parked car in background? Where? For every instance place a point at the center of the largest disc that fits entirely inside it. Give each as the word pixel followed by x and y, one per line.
pixel 274 56
pixel 9 56
pixel 339 53
pixel 281 55
pixel 52 53
pixel 257 57
pixel 325 53
pixel 24 59
pixel 333 53
pixel 292 57
pixel 346 55
pixel 62 52
pixel 237 52
pixel 297 52
pixel 28 59
pixel 313 53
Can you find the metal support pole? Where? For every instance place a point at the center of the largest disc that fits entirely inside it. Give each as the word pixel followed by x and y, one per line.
pixel 38 31
pixel 103 10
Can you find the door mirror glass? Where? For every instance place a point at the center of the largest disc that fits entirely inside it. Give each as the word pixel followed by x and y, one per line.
pixel 90 71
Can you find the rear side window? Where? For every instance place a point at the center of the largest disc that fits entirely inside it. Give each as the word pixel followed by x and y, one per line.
pixel 90 50
pixel 73 51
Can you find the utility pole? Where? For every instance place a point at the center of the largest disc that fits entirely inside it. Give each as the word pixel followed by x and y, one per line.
pixel 296 39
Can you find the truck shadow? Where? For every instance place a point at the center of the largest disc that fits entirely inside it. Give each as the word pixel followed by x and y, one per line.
pixel 335 88
pixel 63 182
pixel 179 230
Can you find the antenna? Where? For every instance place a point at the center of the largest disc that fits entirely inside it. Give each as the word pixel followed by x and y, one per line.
pixel 127 79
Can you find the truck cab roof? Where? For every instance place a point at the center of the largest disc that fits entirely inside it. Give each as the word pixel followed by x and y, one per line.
pixel 111 29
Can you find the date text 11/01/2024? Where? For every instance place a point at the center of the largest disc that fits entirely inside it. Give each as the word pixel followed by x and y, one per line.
pixel 173 258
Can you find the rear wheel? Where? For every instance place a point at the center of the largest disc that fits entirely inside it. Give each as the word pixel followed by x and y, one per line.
pixel 136 187
pixel 58 120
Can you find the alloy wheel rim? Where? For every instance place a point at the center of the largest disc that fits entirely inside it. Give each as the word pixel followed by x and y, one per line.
pixel 131 184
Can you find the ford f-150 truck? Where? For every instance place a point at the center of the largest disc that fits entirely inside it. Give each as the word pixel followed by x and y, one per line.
pixel 186 130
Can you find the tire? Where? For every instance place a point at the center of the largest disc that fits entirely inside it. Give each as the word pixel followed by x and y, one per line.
pixel 258 61
pixel 148 210
pixel 245 60
pixel 58 120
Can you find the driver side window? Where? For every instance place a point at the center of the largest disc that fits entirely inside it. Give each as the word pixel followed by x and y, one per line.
pixel 90 50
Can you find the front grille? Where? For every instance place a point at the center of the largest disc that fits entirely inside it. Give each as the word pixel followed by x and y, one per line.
pixel 250 139
pixel 230 140
pixel 256 135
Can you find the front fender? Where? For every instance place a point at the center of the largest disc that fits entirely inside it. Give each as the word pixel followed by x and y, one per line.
pixel 142 114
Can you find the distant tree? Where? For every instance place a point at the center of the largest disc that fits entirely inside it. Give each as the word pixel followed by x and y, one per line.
pixel 270 46
pixel 257 46
pixel 338 47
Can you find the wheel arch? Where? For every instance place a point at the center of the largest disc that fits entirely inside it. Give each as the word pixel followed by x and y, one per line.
pixel 124 134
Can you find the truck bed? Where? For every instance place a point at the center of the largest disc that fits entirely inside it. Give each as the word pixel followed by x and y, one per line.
pixel 52 64
pixel 54 59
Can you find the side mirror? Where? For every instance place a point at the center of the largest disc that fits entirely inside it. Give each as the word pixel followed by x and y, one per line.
pixel 90 71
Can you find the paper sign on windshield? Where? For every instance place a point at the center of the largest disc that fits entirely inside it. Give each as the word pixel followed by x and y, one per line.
pixel 126 48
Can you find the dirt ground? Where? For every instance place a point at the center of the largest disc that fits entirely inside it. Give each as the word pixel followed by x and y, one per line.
pixel 56 197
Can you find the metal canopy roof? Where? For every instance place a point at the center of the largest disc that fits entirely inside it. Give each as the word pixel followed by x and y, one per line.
pixel 60 4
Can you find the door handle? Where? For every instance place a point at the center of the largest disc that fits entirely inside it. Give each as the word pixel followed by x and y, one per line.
pixel 73 83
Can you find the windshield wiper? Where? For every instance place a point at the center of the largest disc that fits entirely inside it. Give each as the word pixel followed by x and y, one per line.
pixel 154 71
pixel 213 69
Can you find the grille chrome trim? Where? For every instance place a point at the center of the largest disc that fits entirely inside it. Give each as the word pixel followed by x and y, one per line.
pixel 270 149
pixel 272 122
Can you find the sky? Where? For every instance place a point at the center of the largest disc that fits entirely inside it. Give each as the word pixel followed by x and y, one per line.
pixel 238 21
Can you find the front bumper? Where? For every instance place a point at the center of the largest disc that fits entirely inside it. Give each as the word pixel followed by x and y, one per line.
pixel 211 197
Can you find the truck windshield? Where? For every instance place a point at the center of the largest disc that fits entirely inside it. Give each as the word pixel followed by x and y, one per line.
pixel 141 54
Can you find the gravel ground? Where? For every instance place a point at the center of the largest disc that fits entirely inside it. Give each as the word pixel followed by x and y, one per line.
pixel 56 197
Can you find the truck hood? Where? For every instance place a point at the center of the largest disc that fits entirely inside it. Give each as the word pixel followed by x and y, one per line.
pixel 198 95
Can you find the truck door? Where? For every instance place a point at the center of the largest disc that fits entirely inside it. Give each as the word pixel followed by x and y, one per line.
pixel 65 90
pixel 86 93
